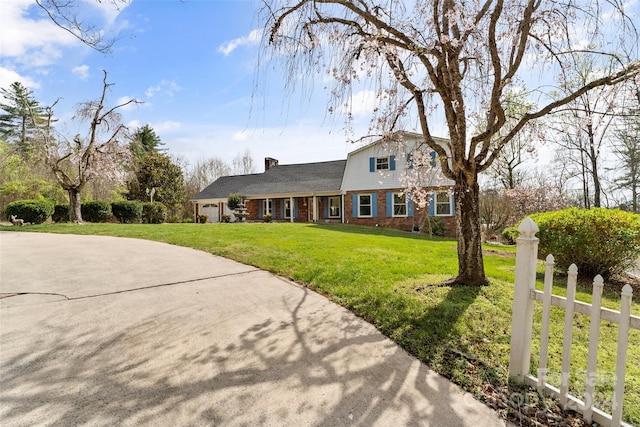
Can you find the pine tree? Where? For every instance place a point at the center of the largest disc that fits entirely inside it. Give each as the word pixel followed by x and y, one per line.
pixel 145 141
pixel 21 117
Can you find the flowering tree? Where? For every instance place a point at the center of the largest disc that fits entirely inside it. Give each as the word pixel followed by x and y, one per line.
pixel 455 61
pixel 98 153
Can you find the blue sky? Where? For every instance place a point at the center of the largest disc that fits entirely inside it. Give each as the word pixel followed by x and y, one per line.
pixel 192 62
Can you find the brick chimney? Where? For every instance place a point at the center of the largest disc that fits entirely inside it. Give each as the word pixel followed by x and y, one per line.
pixel 269 163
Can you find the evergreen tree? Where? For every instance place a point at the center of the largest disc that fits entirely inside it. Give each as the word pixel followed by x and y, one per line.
pixel 159 176
pixel 145 141
pixel 21 116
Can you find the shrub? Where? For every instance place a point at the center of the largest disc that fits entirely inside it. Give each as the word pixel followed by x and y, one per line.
pixel 202 218
pixel 60 213
pixel 510 234
pixel 598 241
pixel 438 226
pixel 187 220
pixel 127 211
pixel 233 201
pixel 95 211
pixel 33 211
pixel 153 213
pixel 226 218
pixel 267 217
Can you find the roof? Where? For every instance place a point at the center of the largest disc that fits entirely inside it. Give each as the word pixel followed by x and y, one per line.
pixel 280 179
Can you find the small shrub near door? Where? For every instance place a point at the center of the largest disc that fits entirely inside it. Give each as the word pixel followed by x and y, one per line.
pixel 225 218
pixel 599 241
pixel 96 211
pixel 33 211
pixel 267 217
pixel 202 218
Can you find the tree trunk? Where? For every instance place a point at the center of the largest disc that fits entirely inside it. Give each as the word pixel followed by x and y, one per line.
pixel 470 262
pixel 593 156
pixel 75 214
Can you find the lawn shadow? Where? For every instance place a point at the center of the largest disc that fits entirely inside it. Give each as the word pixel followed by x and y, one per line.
pixel 307 363
pixel 380 231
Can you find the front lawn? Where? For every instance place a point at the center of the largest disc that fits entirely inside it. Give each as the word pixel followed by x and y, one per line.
pixel 391 278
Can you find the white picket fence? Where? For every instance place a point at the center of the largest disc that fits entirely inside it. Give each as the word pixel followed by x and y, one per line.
pixel 522 327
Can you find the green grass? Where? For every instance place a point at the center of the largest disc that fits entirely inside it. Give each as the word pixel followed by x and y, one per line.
pixel 461 332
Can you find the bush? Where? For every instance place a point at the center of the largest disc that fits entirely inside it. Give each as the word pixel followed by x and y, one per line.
pixel 127 211
pixel 60 213
pixel 95 211
pixel 598 241
pixel 226 218
pixel 33 211
pixel 267 217
pixel 153 213
pixel 202 218
pixel 187 220
pixel 510 234
pixel 438 226
pixel 233 201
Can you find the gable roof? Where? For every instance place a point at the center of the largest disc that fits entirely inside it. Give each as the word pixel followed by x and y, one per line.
pixel 280 179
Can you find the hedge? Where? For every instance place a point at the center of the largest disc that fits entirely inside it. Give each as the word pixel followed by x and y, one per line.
pixel 153 213
pixel 33 211
pixel 96 211
pixel 599 241
pixel 60 213
pixel 127 211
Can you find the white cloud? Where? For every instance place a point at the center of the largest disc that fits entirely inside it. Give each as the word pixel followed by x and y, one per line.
pixel 253 38
pixel 361 103
pixel 240 136
pixel 165 126
pixel 82 71
pixel 8 76
pixel 165 87
pixel 30 41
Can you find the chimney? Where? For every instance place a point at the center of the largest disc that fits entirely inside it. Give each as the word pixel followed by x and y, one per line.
pixel 269 163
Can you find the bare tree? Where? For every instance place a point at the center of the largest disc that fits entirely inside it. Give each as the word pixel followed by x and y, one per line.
pixel 98 153
pixel 206 171
pixel 583 127
pixel 243 164
pixel 66 15
pixel 626 148
pixel 455 58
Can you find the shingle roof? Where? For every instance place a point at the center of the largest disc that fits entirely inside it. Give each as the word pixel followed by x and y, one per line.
pixel 281 179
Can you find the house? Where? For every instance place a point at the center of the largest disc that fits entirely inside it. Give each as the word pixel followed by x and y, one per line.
pixel 364 189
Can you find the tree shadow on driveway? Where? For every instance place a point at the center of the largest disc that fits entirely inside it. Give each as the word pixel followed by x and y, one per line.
pixel 296 360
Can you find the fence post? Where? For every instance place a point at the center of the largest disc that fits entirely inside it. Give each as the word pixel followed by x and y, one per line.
pixel 522 317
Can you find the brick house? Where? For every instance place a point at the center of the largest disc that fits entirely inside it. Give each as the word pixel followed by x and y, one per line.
pixel 364 189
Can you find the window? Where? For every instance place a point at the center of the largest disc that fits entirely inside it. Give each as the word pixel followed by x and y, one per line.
pixel 267 206
pixel 334 207
pixel 364 205
pixel 443 204
pixel 382 163
pixel 287 208
pixel 399 204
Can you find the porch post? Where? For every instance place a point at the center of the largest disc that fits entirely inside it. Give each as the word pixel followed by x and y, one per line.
pixel 315 208
pixel 342 208
pixel 291 209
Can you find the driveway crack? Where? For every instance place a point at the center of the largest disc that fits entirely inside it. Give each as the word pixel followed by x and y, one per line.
pixel 124 291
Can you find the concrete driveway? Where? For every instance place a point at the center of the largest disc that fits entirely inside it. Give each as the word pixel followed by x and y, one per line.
pixel 109 331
